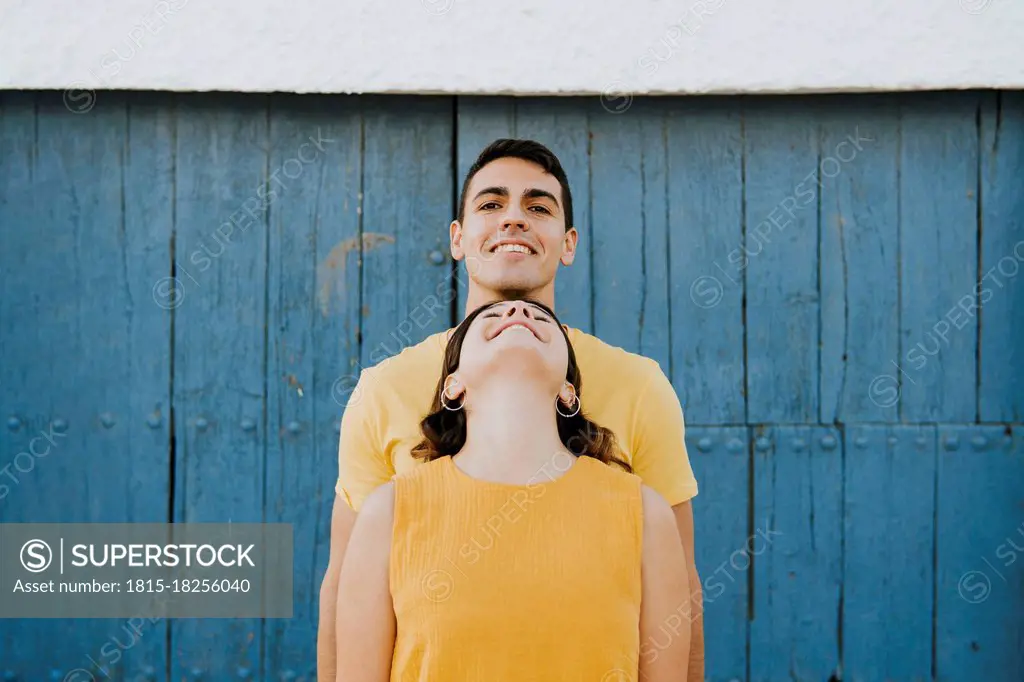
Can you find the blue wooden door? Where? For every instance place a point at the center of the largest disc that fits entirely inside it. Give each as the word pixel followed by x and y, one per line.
pixel 189 285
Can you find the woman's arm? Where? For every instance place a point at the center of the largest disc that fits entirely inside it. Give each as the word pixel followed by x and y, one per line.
pixel 366 617
pixel 665 609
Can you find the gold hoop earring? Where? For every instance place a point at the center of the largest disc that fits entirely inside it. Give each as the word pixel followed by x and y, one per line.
pixel 444 397
pixel 575 399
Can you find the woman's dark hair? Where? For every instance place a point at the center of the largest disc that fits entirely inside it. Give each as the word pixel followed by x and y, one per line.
pixel 444 431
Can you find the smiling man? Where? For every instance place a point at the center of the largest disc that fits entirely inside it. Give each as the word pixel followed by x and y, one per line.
pixel 514 229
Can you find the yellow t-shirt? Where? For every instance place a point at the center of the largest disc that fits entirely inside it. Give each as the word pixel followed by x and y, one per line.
pixel 622 391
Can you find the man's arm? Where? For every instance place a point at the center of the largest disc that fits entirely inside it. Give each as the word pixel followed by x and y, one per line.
pixel 662 462
pixel 342 521
pixel 684 523
pixel 362 468
pixel 665 585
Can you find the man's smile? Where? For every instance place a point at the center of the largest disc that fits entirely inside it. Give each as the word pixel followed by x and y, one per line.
pixel 513 246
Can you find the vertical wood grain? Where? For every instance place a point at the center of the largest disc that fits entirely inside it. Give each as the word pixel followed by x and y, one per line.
pixel 84 231
pixel 979 586
pixel 859 268
pixel 407 206
pixel 655 333
pixel 220 333
pixel 798 479
pixel 313 280
pixel 618 229
pixel 780 259
pixel 725 545
pixel 938 257
pixel 888 568
pixel 1000 286
pixel 705 213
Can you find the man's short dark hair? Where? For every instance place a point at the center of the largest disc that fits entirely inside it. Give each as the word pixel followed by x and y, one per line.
pixel 527 150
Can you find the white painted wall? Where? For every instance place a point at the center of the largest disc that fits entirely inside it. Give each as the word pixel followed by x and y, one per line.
pixel 519 46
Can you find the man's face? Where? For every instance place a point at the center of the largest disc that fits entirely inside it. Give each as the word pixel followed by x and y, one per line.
pixel 513 233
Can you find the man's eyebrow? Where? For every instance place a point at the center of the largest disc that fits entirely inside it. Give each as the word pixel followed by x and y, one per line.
pixel 534 193
pixel 499 191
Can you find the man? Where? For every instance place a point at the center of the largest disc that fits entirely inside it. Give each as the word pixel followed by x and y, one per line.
pixel 514 228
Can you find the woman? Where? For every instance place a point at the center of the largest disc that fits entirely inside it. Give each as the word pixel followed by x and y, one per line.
pixel 523 548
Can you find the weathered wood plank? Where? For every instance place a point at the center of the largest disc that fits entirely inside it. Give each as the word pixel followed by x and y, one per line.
pixel 617 235
pixel 224 184
pixel 798 478
pixel 859 259
pixel 84 231
pixel 705 212
pixel 313 280
pixel 655 332
pixel 144 390
pixel 779 257
pixel 27 391
pixel 407 206
pixel 726 546
pixel 938 257
pixel 1000 286
pixel 889 515
pixel 979 587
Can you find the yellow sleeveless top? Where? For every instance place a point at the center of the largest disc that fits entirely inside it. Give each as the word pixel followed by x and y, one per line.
pixel 496 582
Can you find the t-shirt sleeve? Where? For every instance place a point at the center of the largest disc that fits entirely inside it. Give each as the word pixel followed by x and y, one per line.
pixel 362 463
pixel 659 446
